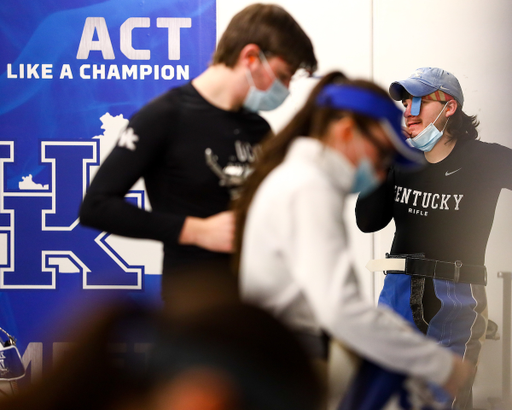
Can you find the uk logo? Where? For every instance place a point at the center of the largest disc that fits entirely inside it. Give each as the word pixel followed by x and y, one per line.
pixel 41 238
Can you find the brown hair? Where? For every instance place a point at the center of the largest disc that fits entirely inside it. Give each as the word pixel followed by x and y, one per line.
pixel 272 29
pixel 311 120
pixel 462 126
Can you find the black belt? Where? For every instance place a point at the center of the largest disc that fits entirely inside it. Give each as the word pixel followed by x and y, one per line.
pixel 317 346
pixel 452 271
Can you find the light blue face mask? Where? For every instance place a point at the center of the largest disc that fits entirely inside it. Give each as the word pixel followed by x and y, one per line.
pixel 427 139
pixel 365 179
pixel 265 100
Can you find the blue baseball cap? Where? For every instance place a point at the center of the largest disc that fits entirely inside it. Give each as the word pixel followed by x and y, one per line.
pixel 425 81
pixel 380 108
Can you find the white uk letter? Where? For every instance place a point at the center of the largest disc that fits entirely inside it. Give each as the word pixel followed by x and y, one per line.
pixel 103 43
pixel 174 25
pixel 126 38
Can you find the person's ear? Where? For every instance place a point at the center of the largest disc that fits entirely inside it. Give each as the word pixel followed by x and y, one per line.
pixel 451 108
pixel 249 55
pixel 341 133
pixel 345 129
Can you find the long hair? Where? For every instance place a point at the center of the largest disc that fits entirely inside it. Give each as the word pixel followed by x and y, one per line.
pixel 462 127
pixel 311 121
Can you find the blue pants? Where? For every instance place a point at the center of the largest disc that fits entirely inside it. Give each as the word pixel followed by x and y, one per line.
pixel 459 325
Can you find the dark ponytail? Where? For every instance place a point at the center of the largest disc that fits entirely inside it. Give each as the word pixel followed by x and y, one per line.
pixel 273 151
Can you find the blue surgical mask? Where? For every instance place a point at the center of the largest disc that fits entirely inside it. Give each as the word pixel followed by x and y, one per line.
pixel 427 139
pixel 265 100
pixel 365 179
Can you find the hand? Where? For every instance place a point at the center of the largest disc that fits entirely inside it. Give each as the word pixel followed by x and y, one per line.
pixel 406 132
pixel 462 373
pixel 215 233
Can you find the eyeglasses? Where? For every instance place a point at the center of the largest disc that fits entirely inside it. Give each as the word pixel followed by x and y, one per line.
pixel 299 74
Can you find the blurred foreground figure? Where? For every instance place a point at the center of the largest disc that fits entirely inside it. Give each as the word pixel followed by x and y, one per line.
pixel 227 357
pixel 295 259
pixel 198 286
pixel 443 214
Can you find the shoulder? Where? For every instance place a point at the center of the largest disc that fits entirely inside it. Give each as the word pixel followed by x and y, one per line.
pixel 491 158
pixel 161 105
pixel 160 112
pixel 482 148
pixel 491 154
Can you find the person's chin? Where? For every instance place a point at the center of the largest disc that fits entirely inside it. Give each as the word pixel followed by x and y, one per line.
pixel 414 132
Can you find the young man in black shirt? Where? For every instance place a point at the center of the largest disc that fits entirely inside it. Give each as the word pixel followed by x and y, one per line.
pixel 443 213
pixel 194 144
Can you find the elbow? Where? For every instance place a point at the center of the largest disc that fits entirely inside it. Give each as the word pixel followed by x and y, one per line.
pixel 364 225
pixel 371 218
pixel 363 221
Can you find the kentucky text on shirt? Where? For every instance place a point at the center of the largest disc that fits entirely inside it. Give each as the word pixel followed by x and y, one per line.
pixel 427 200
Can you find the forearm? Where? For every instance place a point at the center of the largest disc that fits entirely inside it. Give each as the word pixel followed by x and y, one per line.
pixel 115 215
pixel 391 343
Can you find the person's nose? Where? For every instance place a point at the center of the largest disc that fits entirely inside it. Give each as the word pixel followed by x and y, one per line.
pixel 407 112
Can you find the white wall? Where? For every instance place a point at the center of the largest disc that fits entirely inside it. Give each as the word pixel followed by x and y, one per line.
pixel 387 40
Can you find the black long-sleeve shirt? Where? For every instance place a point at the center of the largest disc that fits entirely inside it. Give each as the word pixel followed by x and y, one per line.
pixel 444 210
pixel 190 153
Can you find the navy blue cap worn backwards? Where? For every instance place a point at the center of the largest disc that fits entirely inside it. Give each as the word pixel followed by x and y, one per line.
pixel 425 81
pixel 382 109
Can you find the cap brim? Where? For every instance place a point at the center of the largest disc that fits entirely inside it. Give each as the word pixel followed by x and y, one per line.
pixel 413 86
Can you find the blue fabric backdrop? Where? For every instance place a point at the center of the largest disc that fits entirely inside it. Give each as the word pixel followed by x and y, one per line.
pixel 53 103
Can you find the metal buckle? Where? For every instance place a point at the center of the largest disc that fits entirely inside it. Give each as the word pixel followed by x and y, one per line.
pixel 456 276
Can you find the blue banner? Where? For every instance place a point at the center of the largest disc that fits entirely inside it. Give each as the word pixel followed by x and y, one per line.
pixel 72 75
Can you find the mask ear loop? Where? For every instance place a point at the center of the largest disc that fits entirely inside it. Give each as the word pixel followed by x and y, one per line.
pixel 446 123
pixel 248 75
pixel 264 60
